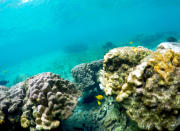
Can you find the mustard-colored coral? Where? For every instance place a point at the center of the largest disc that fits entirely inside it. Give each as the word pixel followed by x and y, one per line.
pixel 150 91
pixel 155 103
pixel 164 62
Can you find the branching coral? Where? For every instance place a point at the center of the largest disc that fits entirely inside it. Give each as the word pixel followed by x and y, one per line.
pixel 117 65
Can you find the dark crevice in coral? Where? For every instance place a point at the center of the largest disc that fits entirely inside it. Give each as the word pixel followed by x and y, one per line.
pixel 115 63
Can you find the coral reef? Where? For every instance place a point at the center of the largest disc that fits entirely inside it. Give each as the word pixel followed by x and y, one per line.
pixel 11 101
pixel 104 117
pixel 110 116
pixel 116 67
pixel 48 99
pixel 156 100
pixel 152 96
pixel 39 103
pixel 85 75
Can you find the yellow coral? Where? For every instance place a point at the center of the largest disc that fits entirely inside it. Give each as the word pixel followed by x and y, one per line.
pixel 24 122
pixel 164 63
pixel 135 50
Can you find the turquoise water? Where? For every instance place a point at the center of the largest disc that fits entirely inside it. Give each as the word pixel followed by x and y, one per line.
pixel 55 35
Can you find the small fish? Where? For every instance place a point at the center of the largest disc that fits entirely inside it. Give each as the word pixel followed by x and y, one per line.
pixel 131 42
pixel 99 103
pixel 4 71
pixel 99 97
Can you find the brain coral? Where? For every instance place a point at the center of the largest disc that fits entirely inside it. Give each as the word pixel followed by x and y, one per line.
pixel 117 64
pixel 154 99
pixel 48 100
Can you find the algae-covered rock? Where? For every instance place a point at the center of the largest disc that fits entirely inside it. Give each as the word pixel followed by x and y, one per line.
pixel 152 96
pixel 156 100
pixel 116 67
pixel 85 75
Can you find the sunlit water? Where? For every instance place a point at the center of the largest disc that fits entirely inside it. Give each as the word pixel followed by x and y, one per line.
pixel 55 35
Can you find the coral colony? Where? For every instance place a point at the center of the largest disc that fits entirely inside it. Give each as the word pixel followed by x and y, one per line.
pixel 133 88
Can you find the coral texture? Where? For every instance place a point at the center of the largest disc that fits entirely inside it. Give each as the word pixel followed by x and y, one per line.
pixel 85 75
pixel 11 101
pixel 86 79
pixel 48 100
pixel 107 117
pixel 154 98
pixel 116 67
pixel 39 103
pixel 91 117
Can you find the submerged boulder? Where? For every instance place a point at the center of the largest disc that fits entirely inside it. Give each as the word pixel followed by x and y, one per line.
pixel 86 75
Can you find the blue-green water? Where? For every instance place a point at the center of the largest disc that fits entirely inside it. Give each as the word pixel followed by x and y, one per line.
pixel 55 35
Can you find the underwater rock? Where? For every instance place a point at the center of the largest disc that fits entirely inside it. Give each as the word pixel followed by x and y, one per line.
pixel 3 82
pixel 39 103
pixel 151 40
pixel 11 98
pixel 75 48
pixel 11 102
pixel 85 75
pixel 170 45
pixel 152 96
pixel 107 46
pixel 171 39
pixel 118 63
pixel 86 79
